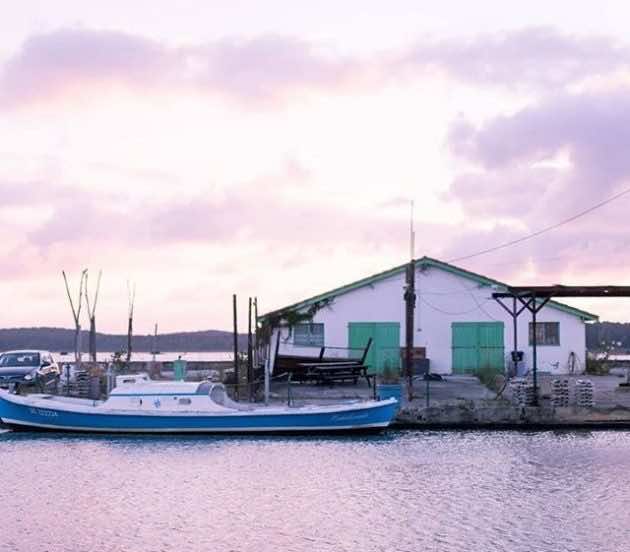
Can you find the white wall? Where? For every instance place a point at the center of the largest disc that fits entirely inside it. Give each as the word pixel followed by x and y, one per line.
pixel 442 298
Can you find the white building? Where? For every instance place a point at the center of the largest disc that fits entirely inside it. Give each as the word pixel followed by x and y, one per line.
pixel 458 325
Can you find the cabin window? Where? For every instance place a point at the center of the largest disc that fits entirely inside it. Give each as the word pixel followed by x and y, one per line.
pixel 185 401
pixel 308 335
pixel 547 333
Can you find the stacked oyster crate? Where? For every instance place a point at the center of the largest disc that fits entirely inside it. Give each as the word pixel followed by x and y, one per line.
pixel 522 391
pixel 78 386
pixel 584 393
pixel 560 392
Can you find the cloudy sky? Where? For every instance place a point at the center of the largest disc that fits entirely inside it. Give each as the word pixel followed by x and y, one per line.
pixel 201 148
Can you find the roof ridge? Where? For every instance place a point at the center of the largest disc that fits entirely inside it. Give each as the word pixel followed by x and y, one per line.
pixel 424 260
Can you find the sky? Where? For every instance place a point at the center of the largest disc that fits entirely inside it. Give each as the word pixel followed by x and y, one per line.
pixel 203 148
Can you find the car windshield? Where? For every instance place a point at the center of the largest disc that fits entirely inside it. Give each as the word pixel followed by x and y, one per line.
pixel 19 359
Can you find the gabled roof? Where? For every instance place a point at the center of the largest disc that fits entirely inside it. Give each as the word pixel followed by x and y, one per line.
pixel 424 262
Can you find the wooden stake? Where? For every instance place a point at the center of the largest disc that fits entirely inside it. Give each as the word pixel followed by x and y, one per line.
pixel 250 363
pixel 131 290
pixel 255 359
pixel 235 343
pixel 92 313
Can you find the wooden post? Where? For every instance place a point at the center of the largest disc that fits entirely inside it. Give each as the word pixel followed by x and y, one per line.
pixel 235 343
pixel 155 349
pixel 131 290
pixel 91 308
pixel 93 338
pixel 410 305
pixel 250 363
pixel 255 332
pixel 129 334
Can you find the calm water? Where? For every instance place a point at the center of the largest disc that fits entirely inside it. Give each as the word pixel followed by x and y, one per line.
pixel 433 491
pixel 165 356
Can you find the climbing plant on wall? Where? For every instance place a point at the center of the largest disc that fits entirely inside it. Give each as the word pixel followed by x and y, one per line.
pixel 290 317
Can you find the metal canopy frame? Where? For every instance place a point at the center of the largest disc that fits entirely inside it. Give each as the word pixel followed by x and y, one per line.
pixel 534 298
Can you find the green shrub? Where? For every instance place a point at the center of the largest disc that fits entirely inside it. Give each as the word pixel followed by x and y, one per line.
pixel 490 378
pixel 390 375
pixel 597 366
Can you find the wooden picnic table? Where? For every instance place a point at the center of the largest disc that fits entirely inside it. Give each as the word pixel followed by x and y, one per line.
pixel 327 372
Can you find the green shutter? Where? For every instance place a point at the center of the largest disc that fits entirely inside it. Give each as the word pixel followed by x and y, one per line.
pixel 477 345
pixel 385 348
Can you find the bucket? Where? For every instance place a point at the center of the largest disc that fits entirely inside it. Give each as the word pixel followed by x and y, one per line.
pixel 389 390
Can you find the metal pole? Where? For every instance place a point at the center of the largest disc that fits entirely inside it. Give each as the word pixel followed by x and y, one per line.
pixel 514 321
pixel 534 352
pixel 235 344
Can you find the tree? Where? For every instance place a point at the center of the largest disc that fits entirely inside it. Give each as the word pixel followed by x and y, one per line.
pixel 76 313
pixel 91 309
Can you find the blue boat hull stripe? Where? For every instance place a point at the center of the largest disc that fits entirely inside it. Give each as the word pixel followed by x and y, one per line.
pixel 373 415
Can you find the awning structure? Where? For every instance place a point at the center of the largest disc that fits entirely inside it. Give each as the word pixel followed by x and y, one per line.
pixel 548 292
pixel 534 298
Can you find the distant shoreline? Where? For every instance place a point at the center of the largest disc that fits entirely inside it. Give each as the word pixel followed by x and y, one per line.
pixel 62 339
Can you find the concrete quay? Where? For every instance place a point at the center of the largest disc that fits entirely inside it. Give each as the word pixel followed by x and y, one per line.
pixel 502 415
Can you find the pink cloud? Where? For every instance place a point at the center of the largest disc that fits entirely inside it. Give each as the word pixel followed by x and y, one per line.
pixel 259 69
pixel 263 67
pixel 535 56
pixel 49 64
pixel 271 68
pixel 509 182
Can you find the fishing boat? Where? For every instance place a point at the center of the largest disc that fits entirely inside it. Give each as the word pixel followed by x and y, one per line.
pixel 140 405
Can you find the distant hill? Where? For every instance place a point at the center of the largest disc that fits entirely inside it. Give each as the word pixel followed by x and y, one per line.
pixel 62 339
pixel 599 332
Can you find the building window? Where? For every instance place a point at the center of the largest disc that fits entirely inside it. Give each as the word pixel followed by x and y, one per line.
pixel 547 333
pixel 308 335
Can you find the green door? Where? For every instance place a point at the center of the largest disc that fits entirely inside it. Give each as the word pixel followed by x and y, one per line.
pixel 477 345
pixel 385 348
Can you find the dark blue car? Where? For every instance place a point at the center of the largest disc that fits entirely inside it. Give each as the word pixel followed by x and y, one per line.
pixel 28 368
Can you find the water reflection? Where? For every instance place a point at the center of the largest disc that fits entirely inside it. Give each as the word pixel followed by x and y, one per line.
pixel 444 491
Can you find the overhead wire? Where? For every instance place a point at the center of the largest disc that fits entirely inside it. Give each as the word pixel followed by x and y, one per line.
pixel 424 301
pixel 542 230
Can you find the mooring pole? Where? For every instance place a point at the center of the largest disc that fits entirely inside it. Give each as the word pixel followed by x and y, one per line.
pixel 235 344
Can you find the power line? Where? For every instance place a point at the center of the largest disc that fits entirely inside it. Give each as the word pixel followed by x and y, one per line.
pixel 431 306
pixel 543 230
